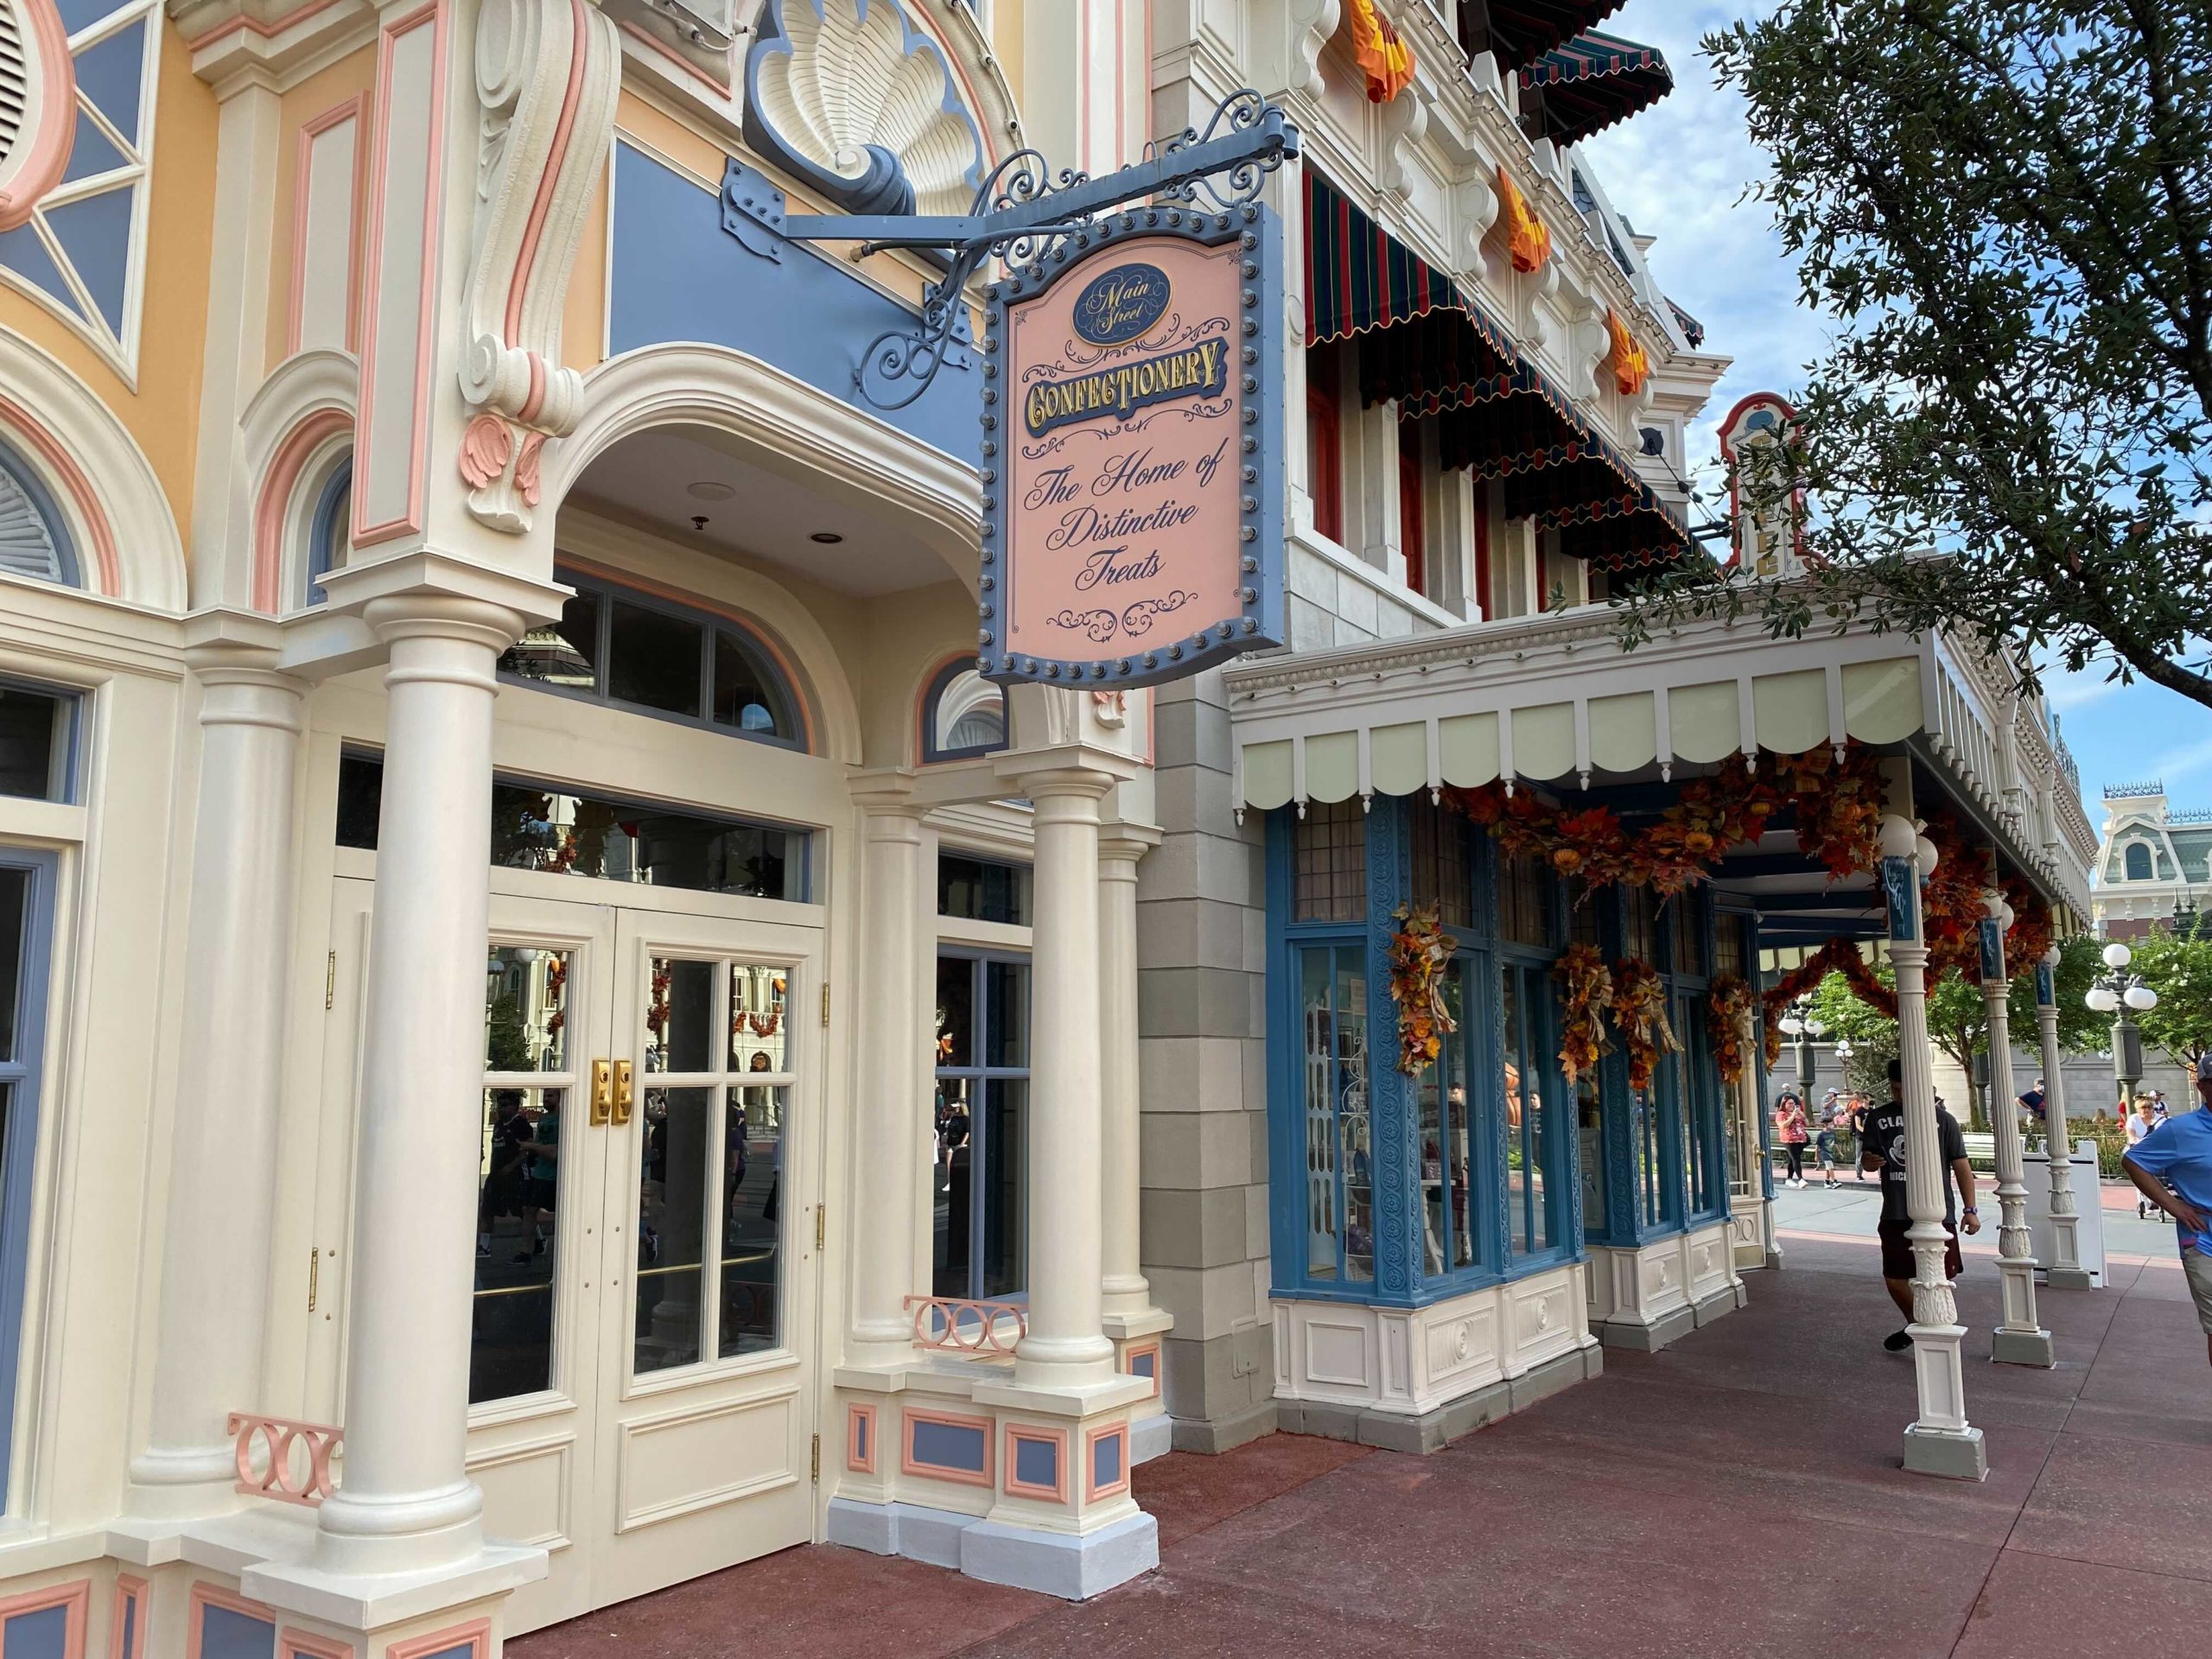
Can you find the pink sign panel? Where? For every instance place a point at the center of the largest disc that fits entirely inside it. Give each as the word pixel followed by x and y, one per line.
pixel 1128 424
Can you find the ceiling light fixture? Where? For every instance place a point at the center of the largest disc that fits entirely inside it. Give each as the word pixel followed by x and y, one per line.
pixel 827 537
pixel 708 489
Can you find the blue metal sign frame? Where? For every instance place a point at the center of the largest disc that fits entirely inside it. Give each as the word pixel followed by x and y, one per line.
pixel 1259 620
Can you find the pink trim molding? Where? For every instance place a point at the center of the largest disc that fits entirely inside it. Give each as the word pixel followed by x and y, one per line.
pixel 1055 1438
pixel 1091 1489
pixel 280 1478
pixel 1129 1363
pixel 46 152
pixel 79 488
pixel 293 1643
pixel 206 1595
pixel 859 1432
pixel 936 1471
pixel 434 15
pixel 475 1636
pixel 74 1598
pixel 542 203
pixel 273 512
pixel 356 110
pixel 130 1593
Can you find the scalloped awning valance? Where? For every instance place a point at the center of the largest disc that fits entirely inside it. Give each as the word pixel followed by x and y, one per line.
pixel 1593 80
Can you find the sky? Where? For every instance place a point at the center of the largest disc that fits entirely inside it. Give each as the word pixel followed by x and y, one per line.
pixel 1678 171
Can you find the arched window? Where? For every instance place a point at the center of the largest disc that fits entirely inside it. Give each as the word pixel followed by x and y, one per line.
pixel 2138 861
pixel 963 715
pixel 33 539
pixel 330 531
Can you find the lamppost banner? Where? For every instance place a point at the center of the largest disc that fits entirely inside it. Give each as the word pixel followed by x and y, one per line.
pixel 1132 461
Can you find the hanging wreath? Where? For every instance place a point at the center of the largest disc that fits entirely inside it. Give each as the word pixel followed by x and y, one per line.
pixel 1726 1006
pixel 1586 987
pixel 1640 1016
pixel 1419 950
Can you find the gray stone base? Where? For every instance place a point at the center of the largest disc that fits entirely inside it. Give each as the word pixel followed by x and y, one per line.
pixel 1214 1435
pixel 1953 1457
pixel 1669 1327
pixel 2023 1348
pixel 1150 1437
pixel 1393 1431
pixel 1073 1568
pixel 2070 1279
pixel 908 1530
pixel 1773 1255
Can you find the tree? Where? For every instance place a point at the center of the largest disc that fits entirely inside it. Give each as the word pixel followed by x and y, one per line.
pixel 2180 972
pixel 2004 209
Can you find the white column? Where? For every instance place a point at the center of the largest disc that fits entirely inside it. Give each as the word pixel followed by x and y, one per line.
pixel 1940 1441
pixel 405 1502
pixel 2066 1270
pixel 892 1099
pixel 1066 1345
pixel 1127 1293
pixel 223 1154
pixel 2019 1338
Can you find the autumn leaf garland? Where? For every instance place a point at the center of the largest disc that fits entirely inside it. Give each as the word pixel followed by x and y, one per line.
pixel 1419 952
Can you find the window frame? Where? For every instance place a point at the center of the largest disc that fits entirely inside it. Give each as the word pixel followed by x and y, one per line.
pixel 328 521
pixel 1413 527
pixel 66 778
pixel 933 696
pixel 609 593
pixel 19 1157
pixel 979 958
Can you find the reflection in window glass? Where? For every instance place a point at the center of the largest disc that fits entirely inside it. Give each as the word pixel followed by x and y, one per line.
pixel 680 1019
pixel 564 653
pixel 525 1012
pixel 1318 1022
pixel 1728 945
pixel 1006 1015
pixel 653 659
pixel 979 1183
pixel 680 1126
pixel 1525 994
pixel 33 743
pixel 1329 855
pixel 1642 939
pixel 1590 1123
pixel 964 714
pixel 1006 1186
pixel 15 903
pixel 1441 1111
pixel 1441 872
pixel 1339 1170
pixel 1524 901
pixel 746 695
pixel 982 889
pixel 1686 922
pixel 752 1172
pixel 518 1246
pixel 757 1035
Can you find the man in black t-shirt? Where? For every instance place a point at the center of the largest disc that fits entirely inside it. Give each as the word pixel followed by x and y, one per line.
pixel 1881 1148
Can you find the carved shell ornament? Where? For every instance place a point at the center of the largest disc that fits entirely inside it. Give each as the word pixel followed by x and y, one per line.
pixel 850 96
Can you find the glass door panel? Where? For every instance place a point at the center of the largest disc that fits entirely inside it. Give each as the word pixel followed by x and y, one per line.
pixel 980 1185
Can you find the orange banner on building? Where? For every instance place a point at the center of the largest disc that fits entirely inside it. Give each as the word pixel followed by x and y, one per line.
pixel 1631 367
pixel 1380 51
pixel 1527 239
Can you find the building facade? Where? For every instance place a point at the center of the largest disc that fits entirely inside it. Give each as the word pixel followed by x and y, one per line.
pixel 2154 863
pixel 559 1035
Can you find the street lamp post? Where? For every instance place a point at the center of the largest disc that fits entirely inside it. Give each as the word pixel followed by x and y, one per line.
pixel 2185 917
pixel 1799 1025
pixel 2123 995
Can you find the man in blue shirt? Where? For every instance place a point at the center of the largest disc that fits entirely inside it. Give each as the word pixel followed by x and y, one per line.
pixel 2172 1168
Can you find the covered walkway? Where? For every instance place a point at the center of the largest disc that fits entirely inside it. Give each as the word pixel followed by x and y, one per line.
pixel 1738 1493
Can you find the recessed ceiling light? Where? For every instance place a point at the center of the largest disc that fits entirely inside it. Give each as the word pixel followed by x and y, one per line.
pixel 710 489
pixel 827 537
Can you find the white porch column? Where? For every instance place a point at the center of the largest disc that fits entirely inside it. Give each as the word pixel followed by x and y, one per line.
pixel 2066 1270
pixel 1128 1296
pixel 222 1158
pixel 1940 1441
pixel 1753 1236
pixel 891 1093
pixel 405 1502
pixel 1066 1345
pixel 2019 1338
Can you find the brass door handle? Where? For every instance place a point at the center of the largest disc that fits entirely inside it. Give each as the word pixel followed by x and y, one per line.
pixel 602 1092
pixel 622 1092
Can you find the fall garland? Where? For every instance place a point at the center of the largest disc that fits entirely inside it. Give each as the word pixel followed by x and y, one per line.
pixel 1727 1004
pixel 1587 988
pixel 1640 1016
pixel 1419 950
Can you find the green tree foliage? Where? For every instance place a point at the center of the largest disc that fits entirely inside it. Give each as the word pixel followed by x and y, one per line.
pixel 2003 208
pixel 2180 972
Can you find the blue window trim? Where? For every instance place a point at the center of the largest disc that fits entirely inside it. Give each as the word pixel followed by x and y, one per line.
pixel 1394 1162
pixel 57 526
pixel 940 683
pixel 325 526
pixel 755 643
pixel 18 1163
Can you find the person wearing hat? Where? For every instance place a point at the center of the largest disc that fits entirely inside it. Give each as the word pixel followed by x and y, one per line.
pixel 1830 1120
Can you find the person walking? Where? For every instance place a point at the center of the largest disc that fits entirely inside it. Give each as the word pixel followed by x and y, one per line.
pixel 1881 1151
pixel 2142 1119
pixel 2171 1167
pixel 1789 1128
pixel 1831 1122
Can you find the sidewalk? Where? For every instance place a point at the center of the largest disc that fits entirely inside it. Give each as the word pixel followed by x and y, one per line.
pixel 1850 1210
pixel 1738 1494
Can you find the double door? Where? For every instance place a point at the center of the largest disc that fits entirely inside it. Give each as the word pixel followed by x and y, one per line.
pixel 648 1238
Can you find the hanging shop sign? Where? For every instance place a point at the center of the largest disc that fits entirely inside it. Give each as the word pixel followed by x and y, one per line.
pixel 1132 451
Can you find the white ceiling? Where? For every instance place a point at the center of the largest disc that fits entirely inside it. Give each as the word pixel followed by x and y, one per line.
pixel 646 480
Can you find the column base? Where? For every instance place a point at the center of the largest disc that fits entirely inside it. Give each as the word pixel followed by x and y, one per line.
pixel 1948 1453
pixel 185 1482
pixel 2023 1348
pixel 2070 1279
pixel 1073 1567
pixel 1151 1437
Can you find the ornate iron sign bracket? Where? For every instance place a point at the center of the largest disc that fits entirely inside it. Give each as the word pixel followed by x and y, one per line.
pixel 1026 213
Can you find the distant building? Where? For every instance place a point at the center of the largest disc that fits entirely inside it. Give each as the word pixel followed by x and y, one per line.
pixel 2151 860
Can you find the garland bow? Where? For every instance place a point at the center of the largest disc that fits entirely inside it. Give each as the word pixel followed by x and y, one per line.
pixel 1587 988
pixel 1640 1016
pixel 1419 950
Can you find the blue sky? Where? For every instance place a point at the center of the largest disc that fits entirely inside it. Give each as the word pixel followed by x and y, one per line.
pixel 1678 171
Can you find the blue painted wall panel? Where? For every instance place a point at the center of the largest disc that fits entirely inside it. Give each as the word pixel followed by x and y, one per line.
pixel 1106 1460
pixel 1036 1463
pixel 227 1635
pixel 42 1634
pixel 678 275
pixel 949 1446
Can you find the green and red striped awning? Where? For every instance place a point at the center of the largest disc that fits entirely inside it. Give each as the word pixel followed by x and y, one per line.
pixel 1520 31
pixel 1429 346
pixel 1593 80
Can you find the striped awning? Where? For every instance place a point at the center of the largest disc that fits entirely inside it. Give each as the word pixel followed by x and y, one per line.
pixel 1520 31
pixel 1593 80
pixel 1693 330
pixel 1426 344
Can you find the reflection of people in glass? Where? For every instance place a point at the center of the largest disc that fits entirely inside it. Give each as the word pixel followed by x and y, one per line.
pixel 503 1191
pixel 1512 1095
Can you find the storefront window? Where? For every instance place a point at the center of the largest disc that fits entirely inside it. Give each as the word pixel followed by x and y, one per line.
pixel 36 729
pixel 979 1185
pixel 1440 871
pixel 1339 1200
pixel 1329 853
pixel 1531 1134
pixel 528 1087
pixel 1524 903
pixel 982 890
pixel 538 827
pixel 1441 1106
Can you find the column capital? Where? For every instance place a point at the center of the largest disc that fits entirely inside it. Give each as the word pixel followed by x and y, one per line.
pixel 233 654
pixel 428 593
pixel 885 792
pixel 1125 841
pixel 1067 769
